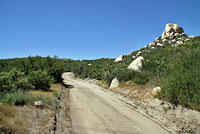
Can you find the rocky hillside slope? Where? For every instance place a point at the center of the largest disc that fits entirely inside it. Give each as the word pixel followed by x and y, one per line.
pixel 161 79
pixel 169 63
pixel 173 35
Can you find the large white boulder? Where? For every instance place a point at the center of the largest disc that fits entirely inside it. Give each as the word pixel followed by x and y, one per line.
pixel 120 58
pixel 136 64
pixel 114 83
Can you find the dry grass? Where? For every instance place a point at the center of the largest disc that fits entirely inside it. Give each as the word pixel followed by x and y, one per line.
pixel 28 119
pixel 10 121
pixel 128 88
pixel 24 120
pixel 50 94
pixel 130 85
pixel 143 91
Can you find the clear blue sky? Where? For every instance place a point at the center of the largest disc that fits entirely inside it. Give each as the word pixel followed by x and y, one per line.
pixel 89 29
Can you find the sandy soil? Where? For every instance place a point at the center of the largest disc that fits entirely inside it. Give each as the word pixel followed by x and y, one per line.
pixel 94 111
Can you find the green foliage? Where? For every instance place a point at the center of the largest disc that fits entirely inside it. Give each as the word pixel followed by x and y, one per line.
pixel 30 73
pixel 17 98
pixel 13 81
pixel 124 75
pixel 40 79
pixel 181 82
pixel 21 98
pixel 57 69
pixel 106 69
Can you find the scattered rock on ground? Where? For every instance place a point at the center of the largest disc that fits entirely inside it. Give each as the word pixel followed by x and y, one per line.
pixel 154 103
pixel 155 91
pixel 38 103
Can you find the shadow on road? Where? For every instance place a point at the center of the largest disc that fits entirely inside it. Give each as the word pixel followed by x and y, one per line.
pixel 68 86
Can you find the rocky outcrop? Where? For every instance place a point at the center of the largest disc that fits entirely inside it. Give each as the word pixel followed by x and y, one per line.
pixel 120 58
pixel 172 30
pixel 136 64
pixel 173 35
pixel 160 45
pixel 114 83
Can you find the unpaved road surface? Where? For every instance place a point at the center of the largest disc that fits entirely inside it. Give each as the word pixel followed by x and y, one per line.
pixel 94 111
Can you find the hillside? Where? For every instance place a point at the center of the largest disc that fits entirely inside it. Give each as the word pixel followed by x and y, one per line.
pixel 171 62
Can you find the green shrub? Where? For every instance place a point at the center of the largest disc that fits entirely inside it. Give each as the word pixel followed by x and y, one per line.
pixel 17 98
pixel 141 77
pixel 181 82
pixel 13 81
pixel 40 79
pixel 57 70
pixel 124 75
pixel 20 98
pixel 109 78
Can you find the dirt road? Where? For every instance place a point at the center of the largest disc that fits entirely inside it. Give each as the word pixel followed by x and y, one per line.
pixel 94 111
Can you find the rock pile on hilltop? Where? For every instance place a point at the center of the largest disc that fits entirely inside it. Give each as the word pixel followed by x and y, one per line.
pixel 173 35
pixel 172 30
